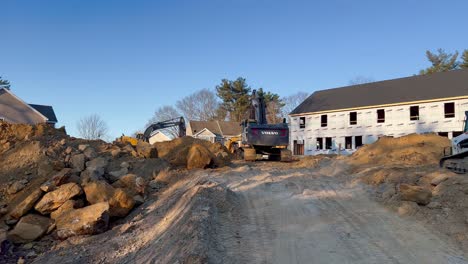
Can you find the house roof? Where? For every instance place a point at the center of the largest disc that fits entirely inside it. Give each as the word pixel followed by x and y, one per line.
pixel 410 89
pixel 46 111
pixel 223 128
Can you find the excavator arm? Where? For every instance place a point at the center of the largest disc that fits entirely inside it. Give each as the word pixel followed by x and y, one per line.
pixel 180 122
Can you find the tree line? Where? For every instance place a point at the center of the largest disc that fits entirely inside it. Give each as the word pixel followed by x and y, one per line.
pixel 442 61
pixel 229 100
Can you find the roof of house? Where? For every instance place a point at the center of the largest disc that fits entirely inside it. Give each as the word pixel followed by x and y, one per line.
pixel 46 111
pixel 222 128
pixel 410 89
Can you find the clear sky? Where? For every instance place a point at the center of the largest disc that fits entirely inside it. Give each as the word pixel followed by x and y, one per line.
pixel 124 59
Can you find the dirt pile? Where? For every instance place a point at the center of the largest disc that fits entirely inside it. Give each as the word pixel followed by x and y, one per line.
pixel 413 149
pixel 53 187
pixel 188 152
pixel 406 177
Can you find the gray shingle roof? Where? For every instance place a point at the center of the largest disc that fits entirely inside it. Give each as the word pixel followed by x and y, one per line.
pixel 409 89
pixel 222 128
pixel 46 111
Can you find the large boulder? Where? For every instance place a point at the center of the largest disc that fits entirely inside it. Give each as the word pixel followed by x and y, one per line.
pixel 90 220
pixel 199 157
pixel 78 162
pixel 97 164
pixel 90 153
pixel 27 204
pixel 132 183
pixel 116 175
pixel 29 228
pixel 120 202
pixel 415 194
pixel 53 200
pixel 58 179
pixel 146 150
pixel 67 206
pixel 91 175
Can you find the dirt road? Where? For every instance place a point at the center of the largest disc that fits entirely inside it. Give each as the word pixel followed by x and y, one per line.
pixel 314 216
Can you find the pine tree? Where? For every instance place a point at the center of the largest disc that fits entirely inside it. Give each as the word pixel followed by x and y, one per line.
pixel 464 62
pixel 235 98
pixel 4 83
pixel 441 62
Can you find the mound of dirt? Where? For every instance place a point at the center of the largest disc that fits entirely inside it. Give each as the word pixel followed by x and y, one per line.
pixel 178 153
pixel 47 175
pixel 413 149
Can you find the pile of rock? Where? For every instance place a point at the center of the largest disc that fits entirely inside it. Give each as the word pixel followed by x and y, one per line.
pixel 55 184
pixel 80 199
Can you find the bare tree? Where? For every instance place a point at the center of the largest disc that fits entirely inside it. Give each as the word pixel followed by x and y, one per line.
pixel 360 80
pixel 164 113
pixel 92 127
pixel 201 105
pixel 292 101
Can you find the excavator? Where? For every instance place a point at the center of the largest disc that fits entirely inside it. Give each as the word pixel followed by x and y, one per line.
pixel 260 140
pixel 454 156
pixel 175 122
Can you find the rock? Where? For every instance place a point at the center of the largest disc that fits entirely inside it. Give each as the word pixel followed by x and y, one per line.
pixel 388 192
pixel 132 183
pixel 3 209
pixel 58 179
pixel 27 204
pixel 439 179
pixel 125 165
pixel 116 175
pixel 29 228
pixel 90 153
pixel 53 200
pixel 21 261
pixel 408 208
pixel 90 220
pixel 128 149
pixel 415 194
pixel 63 142
pixel 120 203
pixel 17 186
pixel 78 162
pixel 45 168
pixel 115 153
pixel 156 185
pixel 67 206
pixel 146 150
pixel 11 221
pixel 434 205
pixel 68 150
pixel 82 147
pixel 91 175
pixel 198 157
pixel 97 163
pixel 138 200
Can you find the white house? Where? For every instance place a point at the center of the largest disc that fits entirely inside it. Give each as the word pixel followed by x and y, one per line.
pixel 158 136
pixel 343 119
pixel 214 131
pixel 14 110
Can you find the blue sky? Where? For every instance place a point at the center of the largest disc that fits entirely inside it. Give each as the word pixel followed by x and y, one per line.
pixel 124 59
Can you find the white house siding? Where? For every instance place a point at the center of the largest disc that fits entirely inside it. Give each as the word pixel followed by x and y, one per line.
pixel 397 123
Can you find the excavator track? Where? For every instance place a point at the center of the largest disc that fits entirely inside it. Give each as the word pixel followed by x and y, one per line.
pixel 457 163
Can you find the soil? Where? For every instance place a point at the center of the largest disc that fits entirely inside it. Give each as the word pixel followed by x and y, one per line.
pixel 322 209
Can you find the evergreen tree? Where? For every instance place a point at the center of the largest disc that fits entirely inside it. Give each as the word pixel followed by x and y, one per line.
pixel 274 105
pixel 4 83
pixel 235 98
pixel 464 62
pixel 441 62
